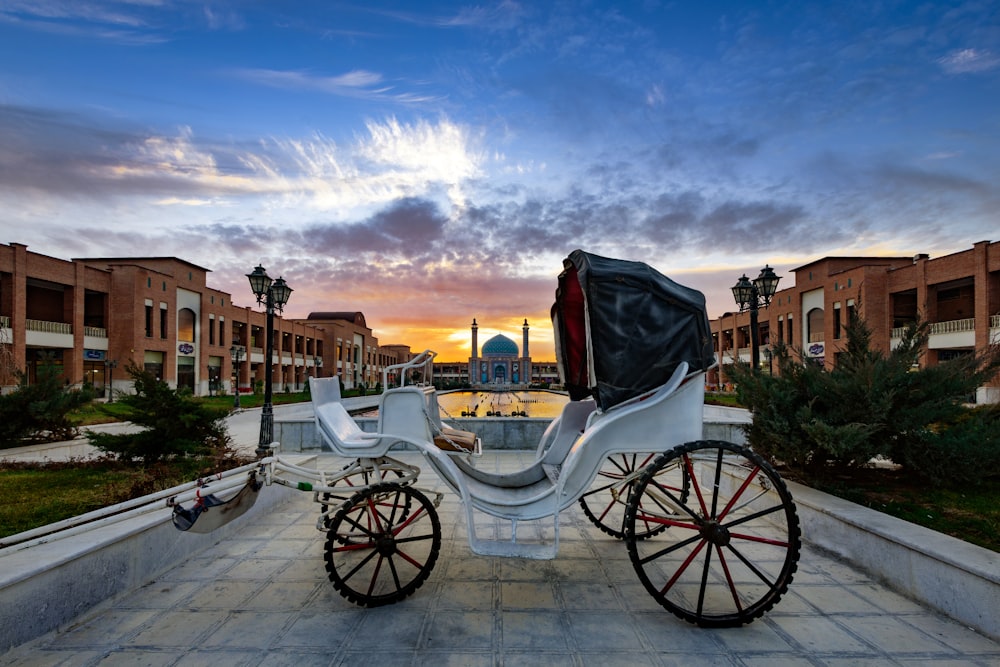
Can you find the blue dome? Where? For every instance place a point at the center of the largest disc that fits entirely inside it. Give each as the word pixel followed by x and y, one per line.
pixel 499 346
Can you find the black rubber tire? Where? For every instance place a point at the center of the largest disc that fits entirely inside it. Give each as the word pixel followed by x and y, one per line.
pixel 365 557
pixel 605 503
pixel 734 541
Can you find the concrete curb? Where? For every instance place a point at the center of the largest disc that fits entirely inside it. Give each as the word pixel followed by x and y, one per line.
pixel 958 579
pixel 44 587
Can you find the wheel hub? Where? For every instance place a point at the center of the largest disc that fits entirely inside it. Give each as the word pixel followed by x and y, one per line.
pixel 715 533
pixel 385 545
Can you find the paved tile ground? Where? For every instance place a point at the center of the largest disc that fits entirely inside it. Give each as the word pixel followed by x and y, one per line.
pixel 264 599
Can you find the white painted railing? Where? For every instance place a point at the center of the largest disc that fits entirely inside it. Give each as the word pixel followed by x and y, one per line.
pixel 48 327
pixel 953 326
pixel 95 332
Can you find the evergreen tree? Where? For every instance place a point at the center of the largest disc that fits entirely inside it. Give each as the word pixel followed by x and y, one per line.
pixel 872 404
pixel 176 425
pixel 39 411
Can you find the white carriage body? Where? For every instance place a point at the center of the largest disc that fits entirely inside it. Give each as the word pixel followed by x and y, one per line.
pixel 568 458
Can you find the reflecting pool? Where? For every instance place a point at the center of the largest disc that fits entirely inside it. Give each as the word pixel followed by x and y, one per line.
pixel 524 403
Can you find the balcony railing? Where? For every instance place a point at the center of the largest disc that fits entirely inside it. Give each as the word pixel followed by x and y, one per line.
pixel 95 332
pixel 48 327
pixel 816 337
pixel 953 326
pixel 4 322
pixel 994 321
pixel 950 326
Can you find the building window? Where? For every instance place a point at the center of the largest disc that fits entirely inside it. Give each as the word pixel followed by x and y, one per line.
pixel 185 325
pixel 791 338
pixel 163 321
pixel 850 312
pixel 836 321
pixel 814 325
pixel 222 332
pixel 149 320
pixel 211 330
pixel 149 282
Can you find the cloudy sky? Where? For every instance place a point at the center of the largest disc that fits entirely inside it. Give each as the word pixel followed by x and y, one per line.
pixel 430 163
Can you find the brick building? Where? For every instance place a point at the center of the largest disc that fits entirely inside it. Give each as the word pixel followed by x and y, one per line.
pixel 958 295
pixel 90 317
pixel 352 348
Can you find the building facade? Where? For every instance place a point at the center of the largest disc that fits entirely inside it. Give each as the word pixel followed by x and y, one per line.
pixel 91 318
pixel 353 350
pixel 957 294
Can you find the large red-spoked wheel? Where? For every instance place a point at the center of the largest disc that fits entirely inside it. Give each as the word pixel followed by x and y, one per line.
pixel 733 542
pixel 382 544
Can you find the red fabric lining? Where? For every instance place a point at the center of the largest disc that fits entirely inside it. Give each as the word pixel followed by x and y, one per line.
pixel 575 329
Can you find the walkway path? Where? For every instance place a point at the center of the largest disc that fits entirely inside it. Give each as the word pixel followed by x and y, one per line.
pixel 263 598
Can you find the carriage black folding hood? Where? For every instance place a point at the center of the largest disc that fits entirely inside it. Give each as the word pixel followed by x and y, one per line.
pixel 621 328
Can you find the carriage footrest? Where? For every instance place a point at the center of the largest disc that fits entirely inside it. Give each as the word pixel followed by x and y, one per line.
pixel 509 549
pixel 512 547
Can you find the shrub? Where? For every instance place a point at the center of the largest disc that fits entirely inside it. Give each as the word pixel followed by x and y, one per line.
pixel 176 424
pixel 871 404
pixel 38 412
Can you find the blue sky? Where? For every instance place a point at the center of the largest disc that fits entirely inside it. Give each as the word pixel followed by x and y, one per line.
pixel 427 163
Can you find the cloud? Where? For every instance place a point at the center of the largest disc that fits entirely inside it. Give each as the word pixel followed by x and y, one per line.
pixel 361 84
pixel 70 155
pixel 966 61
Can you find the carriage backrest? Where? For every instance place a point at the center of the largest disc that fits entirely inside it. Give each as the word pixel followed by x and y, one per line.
pixel 324 390
pixel 403 412
pixel 333 422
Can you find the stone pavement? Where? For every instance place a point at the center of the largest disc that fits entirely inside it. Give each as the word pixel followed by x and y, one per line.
pixel 263 598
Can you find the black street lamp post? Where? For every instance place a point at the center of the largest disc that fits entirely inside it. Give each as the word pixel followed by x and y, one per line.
pixel 111 365
pixel 236 352
pixel 752 295
pixel 273 294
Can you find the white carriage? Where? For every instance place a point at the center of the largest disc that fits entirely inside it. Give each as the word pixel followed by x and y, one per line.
pixel 710 527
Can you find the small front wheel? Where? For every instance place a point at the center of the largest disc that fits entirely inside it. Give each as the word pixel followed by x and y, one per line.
pixel 733 542
pixel 382 544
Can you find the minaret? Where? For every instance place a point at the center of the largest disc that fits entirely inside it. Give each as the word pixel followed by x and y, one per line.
pixel 524 347
pixel 474 359
pixel 525 357
pixel 475 339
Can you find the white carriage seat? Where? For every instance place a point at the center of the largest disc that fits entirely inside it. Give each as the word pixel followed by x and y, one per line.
pixel 333 422
pixel 568 427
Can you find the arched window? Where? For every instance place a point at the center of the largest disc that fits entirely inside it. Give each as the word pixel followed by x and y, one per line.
pixel 185 325
pixel 814 322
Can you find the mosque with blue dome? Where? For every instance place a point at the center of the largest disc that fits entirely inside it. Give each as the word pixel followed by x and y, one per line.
pixel 500 362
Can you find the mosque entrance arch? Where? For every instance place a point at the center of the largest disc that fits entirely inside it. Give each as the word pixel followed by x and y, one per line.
pixel 500 374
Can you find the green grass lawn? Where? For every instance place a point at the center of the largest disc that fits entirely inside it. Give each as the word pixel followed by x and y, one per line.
pixel 971 514
pixel 33 495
